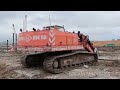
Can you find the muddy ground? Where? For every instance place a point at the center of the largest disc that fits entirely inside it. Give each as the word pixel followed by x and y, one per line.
pixel 11 68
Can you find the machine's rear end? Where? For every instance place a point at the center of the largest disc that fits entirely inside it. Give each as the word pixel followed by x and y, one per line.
pixel 55 48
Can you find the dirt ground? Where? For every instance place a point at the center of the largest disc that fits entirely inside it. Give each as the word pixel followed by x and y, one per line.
pixel 11 68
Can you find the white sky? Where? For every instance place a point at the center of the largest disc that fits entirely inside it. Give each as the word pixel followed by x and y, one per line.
pixel 99 25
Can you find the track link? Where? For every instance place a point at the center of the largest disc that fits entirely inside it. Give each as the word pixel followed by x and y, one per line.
pixel 48 65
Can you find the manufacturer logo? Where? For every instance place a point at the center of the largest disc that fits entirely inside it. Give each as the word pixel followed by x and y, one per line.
pixel 28 38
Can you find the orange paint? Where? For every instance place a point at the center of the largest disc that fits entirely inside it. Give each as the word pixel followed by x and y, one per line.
pixel 55 38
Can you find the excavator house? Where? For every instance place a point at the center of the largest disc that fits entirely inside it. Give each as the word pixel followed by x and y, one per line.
pixel 55 49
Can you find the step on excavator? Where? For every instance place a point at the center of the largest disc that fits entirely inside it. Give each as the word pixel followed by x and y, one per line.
pixel 55 49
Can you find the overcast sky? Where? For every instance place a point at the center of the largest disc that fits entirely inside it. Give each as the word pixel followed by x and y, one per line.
pixel 99 25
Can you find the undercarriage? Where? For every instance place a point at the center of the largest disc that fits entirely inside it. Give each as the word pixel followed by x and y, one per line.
pixel 57 62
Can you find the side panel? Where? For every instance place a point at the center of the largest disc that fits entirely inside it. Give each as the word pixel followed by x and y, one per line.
pixel 75 39
pixel 57 38
pixel 69 39
pixel 48 40
pixel 72 39
pixel 33 39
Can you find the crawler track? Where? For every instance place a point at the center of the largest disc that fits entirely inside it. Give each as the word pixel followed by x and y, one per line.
pixel 68 61
pixel 58 63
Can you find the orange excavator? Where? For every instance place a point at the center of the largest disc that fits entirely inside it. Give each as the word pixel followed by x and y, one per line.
pixel 55 49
